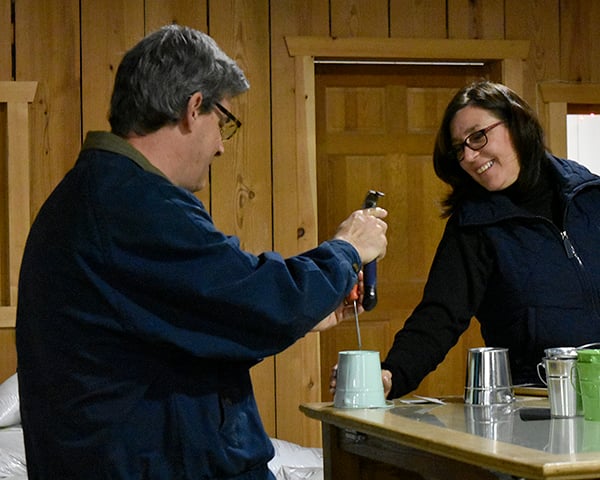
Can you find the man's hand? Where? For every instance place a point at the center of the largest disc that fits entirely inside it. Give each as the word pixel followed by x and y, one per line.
pixel 365 230
pixel 344 312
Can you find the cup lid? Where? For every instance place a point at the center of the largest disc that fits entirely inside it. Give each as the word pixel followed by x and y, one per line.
pixel 561 352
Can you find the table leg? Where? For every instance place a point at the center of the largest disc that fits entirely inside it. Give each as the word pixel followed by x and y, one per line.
pixel 337 463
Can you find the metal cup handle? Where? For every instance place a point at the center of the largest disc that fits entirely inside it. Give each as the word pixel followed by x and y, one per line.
pixel 539 374
pixel 588 345
pixel 572 379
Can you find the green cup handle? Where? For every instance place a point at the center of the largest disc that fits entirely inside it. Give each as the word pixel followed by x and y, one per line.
pixel 572 379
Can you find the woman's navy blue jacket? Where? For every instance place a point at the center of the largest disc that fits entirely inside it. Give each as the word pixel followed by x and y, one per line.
pixel 532 283
pixel 138 322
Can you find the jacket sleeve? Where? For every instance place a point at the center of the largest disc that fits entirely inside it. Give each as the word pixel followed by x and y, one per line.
pixel 175 278
pixel 455 286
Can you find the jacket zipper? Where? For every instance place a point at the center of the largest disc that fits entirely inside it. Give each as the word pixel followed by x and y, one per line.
pixel 588 284
pixel 569 248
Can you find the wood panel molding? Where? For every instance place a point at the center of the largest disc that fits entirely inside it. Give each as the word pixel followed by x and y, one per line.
pixel 8 316
pixel 17 92
pixel 407 48
pixel 563 92
pixel 17 96
pixel 554 98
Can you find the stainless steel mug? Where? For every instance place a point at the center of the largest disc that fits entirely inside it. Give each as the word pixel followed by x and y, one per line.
pixel 561 380
pixel 564 436
pixel 490 421
pixel 488 380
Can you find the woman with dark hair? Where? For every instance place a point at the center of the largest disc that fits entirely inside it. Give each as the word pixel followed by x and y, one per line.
pixel 520 248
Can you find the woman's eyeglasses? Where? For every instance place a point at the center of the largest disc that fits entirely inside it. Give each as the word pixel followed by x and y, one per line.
pixel 230 125
pixel 475 141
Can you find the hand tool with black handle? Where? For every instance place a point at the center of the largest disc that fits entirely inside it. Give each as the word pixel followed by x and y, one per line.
pixel 370 269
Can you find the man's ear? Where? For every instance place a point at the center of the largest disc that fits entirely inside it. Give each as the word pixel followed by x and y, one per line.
pixel 193 106
pixel 192 111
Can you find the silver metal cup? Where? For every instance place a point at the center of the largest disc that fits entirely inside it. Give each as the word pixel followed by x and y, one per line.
pixel 488 380
pixel 564 436
pixel 561 380
pixel 490 421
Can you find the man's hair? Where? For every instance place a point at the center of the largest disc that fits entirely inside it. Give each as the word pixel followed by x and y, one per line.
pixel 526 134
pixel 158 75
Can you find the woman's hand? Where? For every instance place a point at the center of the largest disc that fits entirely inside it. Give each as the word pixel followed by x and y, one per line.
pixel 386 378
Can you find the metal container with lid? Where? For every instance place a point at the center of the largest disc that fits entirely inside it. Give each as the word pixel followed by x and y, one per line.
pixel 560 378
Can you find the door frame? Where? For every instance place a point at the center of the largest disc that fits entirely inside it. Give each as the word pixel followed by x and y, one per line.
pixel 506 59
pixel 554 100
pixel 16 98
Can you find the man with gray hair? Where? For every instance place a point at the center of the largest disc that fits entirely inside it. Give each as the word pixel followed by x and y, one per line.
pixel 138 320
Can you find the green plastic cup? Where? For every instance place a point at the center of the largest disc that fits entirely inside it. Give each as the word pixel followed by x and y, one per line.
pixel 590 395
pixel 588 374
pixel 591 437
pixel 589 355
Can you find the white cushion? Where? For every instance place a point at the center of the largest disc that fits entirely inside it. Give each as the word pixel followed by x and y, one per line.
pixel 9 402
pixel 294 462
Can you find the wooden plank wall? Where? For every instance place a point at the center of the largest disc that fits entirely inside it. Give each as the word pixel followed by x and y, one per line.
pixel 72 48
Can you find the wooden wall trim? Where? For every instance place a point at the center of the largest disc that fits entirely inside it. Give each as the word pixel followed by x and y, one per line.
pixel 306 149
pixel 17 96
pixel 555 96
pixel 552 92
pixel 298 367
pixel 17 92
pixel 8 317
pixel 6 40
pixel 513 74
pixel 407 48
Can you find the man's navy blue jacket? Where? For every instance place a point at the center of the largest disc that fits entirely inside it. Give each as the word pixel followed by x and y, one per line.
pixel 138 322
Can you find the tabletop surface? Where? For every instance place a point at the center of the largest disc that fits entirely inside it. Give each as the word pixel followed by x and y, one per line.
pixel 493 437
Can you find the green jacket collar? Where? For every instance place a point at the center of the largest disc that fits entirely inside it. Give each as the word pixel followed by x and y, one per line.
pixel 113 143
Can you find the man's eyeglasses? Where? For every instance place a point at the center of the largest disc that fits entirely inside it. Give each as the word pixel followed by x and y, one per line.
pixel 229 126
pixel 475 141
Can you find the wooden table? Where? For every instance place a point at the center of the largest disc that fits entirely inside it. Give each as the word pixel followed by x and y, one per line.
pixel 455 441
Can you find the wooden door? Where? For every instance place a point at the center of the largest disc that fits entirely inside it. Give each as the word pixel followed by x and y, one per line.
pixel 376 127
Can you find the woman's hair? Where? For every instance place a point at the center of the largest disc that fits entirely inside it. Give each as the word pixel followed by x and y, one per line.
pixel 525 131
pixel 158 75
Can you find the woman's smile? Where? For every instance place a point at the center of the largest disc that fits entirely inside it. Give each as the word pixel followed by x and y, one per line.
pixel 484 167
pixel 493 164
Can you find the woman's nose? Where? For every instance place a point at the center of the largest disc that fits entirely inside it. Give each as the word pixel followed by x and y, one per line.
pixel 469 154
